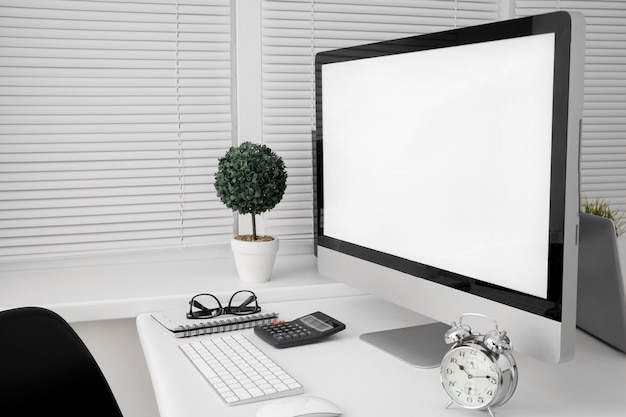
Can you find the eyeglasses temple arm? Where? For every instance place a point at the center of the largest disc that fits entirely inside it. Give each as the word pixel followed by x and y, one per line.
pixel 248 301
pixel 198 305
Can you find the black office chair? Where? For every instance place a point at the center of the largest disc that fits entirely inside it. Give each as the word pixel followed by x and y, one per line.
pixel 46 369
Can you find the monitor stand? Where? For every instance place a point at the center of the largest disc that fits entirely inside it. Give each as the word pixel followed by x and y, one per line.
pixel 421 346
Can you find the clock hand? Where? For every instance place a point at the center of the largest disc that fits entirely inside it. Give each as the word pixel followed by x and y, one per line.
pixel 462 368
pixel 470 376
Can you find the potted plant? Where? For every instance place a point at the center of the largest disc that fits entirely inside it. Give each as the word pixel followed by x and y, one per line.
pixel 602 208
pixel 251 179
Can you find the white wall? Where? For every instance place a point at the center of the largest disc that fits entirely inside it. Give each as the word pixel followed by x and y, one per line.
pixel 116 347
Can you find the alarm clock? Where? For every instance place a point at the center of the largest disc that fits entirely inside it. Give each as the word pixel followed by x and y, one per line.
pixel 479 371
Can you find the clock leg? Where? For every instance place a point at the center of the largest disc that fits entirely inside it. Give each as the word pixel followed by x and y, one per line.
pixel 491 413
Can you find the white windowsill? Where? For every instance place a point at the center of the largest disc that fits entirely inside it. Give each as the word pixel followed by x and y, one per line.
pixel 124 286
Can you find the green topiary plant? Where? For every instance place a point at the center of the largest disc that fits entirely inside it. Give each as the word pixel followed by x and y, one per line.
pixel 251 179
pixel 600 207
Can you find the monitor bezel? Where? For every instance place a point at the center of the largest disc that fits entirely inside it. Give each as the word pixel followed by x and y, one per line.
pixel 558 23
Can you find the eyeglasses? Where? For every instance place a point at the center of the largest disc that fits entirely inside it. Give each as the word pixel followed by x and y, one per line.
pixel 207 305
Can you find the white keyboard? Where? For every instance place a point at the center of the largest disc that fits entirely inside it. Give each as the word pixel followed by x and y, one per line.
pixel 238 371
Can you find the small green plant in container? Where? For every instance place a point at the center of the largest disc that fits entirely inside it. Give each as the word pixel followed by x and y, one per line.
pixel 601 207
pixel 251 179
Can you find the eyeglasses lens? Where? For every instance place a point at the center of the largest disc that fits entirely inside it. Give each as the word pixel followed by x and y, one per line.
pixel 243 302
pixel 205 306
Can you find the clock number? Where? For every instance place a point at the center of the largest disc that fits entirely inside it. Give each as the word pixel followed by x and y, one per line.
pixel 449 371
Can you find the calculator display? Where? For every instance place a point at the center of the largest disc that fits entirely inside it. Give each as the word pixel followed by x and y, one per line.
pixel 315 323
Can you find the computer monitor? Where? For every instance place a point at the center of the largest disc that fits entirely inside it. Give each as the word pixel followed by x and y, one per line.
pixel 447 177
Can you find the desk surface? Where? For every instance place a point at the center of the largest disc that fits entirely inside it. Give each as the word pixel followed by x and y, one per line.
pixel 365 381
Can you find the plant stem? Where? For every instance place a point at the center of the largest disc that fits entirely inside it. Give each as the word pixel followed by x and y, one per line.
pixel 253 226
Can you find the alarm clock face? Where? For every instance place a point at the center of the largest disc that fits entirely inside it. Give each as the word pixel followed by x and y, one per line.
pixel 470 377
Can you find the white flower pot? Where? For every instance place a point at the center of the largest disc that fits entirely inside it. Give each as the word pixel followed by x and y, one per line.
pixel 254 260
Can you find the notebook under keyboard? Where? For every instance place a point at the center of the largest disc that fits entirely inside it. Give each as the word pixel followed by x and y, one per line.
pixel 239 371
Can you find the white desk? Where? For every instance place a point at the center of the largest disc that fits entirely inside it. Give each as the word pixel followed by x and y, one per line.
pixel 366 382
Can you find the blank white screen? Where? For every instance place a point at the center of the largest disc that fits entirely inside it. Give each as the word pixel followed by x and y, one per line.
pixel 443 157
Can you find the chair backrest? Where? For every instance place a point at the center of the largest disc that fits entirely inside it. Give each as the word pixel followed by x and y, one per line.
pixel 46 369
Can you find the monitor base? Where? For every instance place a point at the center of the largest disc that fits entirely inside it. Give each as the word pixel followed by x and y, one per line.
pixel 420 346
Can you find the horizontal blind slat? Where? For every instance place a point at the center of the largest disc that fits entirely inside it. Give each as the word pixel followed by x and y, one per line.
pixel 603 152
pixel 98 102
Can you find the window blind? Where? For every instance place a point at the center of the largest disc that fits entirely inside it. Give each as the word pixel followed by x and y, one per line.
pixel 603 153
pixel 293 31
pixel 112 117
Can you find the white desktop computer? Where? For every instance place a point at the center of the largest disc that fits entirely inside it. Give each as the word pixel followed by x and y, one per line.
pixel 447 176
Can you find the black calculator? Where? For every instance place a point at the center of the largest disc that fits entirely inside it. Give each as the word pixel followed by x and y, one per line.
pixel 304 330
